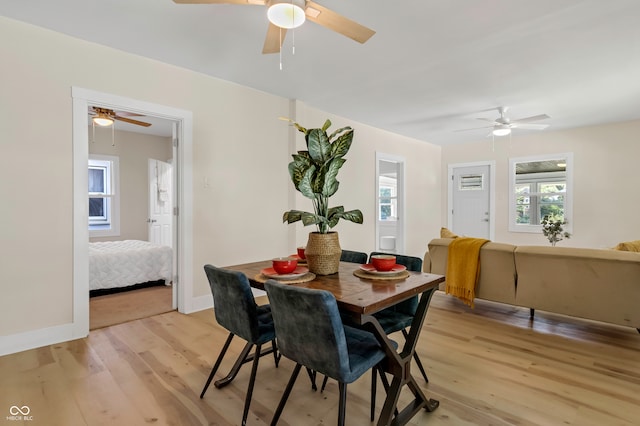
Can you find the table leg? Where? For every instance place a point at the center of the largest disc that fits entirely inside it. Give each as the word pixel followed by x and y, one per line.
pixel 399 365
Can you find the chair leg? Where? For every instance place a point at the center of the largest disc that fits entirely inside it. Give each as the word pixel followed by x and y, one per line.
pixel 276 354
pixel 217 364
pixel 312 377
pixel 343 403
pixel 285 395
pixel 374 380
pixel 252 380
pixel 417 360
pixel 236 367
pixel 324 383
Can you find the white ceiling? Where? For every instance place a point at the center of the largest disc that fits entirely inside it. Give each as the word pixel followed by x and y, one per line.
pixel 433 66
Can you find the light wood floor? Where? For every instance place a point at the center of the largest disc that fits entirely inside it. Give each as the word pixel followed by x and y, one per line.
pixel 489 366
pixel 117 308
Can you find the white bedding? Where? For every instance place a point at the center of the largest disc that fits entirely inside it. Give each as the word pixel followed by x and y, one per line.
pixel 115 264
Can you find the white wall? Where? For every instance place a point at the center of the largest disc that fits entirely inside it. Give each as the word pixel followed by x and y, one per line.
pixel 237 142
pixel 606 194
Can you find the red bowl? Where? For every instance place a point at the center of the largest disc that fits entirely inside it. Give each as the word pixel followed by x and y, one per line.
pixel 301 252
pixel 383 262
pixel 284 265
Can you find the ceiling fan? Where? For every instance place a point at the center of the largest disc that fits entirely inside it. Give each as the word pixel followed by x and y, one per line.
pixel 106 116
pixel 286 14
pixel 502 125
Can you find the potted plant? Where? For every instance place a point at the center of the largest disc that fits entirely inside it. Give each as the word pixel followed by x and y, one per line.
pixel 314 173
pixel 552 229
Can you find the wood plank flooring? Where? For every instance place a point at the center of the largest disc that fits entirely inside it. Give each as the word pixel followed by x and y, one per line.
pixel 127 306
pixel 487 366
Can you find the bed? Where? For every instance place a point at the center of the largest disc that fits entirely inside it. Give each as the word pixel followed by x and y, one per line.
pixel 127 263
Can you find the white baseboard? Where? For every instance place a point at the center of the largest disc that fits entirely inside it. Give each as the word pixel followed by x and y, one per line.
pixel 36 338
pixel 19 342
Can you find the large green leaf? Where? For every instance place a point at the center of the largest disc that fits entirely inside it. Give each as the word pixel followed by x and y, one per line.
pixel 337 132
pixel 354 216
pixel 326 125
pixel 305 185
pixel 318 146
pixel 340 146
pixel 331 184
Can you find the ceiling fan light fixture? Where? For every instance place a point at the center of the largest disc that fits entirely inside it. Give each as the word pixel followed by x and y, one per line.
pixel 286 13
pixel 103 120
pixel 501 130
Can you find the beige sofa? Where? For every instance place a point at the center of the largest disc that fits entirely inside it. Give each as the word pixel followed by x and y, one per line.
pixel 597 284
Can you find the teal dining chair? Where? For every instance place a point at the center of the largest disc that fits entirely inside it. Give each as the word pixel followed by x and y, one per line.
pixel 311 333
pixel 353 256
pixel 236 310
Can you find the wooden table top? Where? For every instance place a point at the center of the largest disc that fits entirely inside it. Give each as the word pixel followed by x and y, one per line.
pixel 358 295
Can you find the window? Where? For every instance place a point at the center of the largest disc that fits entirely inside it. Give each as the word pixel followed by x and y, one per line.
pixel 388 199
pixel 540 186
pixel 104 198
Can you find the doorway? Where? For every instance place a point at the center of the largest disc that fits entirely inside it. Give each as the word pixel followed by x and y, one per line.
pixel 390 215
pixel 472 199
pixel 82 99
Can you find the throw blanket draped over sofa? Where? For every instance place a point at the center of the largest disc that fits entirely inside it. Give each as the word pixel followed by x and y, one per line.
pixel 596 284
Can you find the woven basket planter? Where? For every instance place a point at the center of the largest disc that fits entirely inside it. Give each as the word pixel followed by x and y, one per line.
pixel 323 253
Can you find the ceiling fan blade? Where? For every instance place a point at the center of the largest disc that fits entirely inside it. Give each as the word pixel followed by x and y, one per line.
pixel 532 118
pixel 132 121
pixel 128 114
pixel 530 126
pixel 275 38
pixel 489 120
pixel 473 128
pixel 252 2
pixel 338 23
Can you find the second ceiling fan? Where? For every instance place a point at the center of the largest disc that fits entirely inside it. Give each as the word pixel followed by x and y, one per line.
pixel 502 125
pixel 286 14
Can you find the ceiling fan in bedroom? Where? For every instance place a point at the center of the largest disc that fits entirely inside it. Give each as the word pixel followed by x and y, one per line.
pixel 105 117
pixel 502 125
pixel 287 14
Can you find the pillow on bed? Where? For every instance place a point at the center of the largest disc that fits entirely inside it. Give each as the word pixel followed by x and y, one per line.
pixel 445 233
pixel 629 246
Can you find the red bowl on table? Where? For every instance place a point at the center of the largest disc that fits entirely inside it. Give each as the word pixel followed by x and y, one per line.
pixel 383 262
pixel 284 265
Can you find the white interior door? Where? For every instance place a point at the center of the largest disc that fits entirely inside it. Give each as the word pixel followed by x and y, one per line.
pixel 471 206
pixel 160 203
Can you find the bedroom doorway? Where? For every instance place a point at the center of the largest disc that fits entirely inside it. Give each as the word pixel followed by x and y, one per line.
pixel 181 124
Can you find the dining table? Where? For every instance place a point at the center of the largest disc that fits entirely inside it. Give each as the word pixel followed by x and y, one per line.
pixel 360 294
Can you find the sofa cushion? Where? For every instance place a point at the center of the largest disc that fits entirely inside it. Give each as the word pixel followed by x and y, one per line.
pixel 445 233
pixel 633 246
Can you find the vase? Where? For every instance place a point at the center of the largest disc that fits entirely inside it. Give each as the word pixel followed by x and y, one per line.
pixel 323 253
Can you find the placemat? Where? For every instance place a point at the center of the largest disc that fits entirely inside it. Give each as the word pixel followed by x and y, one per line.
pixel 309 276
pixel 363 274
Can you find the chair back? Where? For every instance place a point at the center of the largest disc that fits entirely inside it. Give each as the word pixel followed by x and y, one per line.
pixel 353 256
pixel 309 328
pixel 234 305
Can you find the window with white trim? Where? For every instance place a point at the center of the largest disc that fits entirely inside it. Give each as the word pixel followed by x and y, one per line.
pixel 104 196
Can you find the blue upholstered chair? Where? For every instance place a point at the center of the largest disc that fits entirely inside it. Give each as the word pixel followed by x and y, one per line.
pixel 236 310
pixel 353 256
pixel 310 332
pixel 399 317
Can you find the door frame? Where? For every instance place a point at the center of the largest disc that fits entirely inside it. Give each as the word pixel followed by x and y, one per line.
pixel 183 275
pixel 492 192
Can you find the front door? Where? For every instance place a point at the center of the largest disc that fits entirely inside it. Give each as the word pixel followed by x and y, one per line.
pixel 470 189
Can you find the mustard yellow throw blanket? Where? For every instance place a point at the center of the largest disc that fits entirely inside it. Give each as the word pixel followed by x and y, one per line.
pixel 463 268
